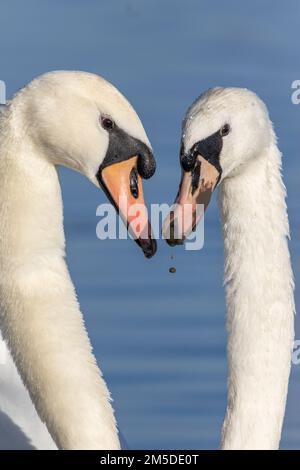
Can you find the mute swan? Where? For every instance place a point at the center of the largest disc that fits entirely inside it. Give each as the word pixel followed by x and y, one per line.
pixel 228 140
pixel 81 121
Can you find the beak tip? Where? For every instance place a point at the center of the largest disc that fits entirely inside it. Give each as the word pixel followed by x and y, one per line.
pixel 149 246
pixel 168 234
pixel 174 242
pixel 150 249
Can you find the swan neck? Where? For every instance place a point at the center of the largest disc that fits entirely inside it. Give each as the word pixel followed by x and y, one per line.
pixel 40 316
pixel 260 303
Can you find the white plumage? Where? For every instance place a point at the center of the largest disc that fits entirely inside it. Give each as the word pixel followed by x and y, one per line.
pixel 52 121
pixel 258 275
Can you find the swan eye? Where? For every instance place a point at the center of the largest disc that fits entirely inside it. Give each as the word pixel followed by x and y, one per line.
pixel 107 123
pixel 225 130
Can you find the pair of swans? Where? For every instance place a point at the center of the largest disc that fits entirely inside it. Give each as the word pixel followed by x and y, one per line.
pixel 51 389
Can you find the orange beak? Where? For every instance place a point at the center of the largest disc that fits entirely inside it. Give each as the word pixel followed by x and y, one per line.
pixel 123 186
pixel 196 188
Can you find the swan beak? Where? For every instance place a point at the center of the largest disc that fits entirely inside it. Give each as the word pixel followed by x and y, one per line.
pixel 123 186
pixel 195 190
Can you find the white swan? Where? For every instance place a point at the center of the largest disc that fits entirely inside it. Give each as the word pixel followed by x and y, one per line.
pixel 81 121
pixel 228 139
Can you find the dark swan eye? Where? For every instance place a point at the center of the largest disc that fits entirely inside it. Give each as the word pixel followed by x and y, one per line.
pixel 107 123
pixel 225 130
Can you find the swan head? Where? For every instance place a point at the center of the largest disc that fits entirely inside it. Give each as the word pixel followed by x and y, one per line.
pixel 81 121
pixel 223 131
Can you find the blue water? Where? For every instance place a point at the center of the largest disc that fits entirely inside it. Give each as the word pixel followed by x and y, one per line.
pixel 159 338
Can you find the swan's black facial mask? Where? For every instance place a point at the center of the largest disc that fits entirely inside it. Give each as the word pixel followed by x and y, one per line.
pixel 201 172
pixel 123 146
pixel 126 162
pixel 209 148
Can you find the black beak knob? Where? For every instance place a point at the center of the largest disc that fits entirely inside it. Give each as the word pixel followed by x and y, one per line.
pixel 188 161
pixel 146 164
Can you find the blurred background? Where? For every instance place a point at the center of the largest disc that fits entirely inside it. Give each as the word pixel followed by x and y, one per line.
pixel 160 338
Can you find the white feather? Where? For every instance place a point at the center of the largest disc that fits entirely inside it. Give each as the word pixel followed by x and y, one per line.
pixel 54 120
pixel 258 275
